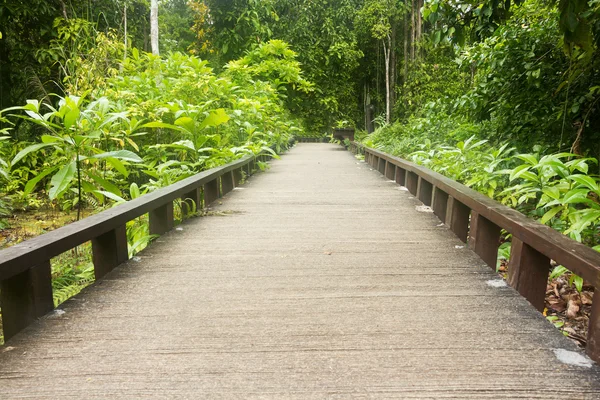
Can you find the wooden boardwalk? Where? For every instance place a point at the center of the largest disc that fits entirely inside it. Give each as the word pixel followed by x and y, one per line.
pixel 317 279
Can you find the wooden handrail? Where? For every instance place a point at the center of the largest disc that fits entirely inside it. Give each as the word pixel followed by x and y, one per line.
pixel 25 273
pixel 19 257
pixel 478 220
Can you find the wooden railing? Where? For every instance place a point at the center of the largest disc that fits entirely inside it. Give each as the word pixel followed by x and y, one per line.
pixel 25 275
pixel 477 220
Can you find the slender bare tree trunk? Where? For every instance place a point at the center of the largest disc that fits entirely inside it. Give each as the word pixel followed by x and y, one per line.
pixel 154 26
pixel 366 105
pixel 125 29
pixel 412 30
pixel 419 27
pixel 388 101
pixel 64 9
pixel 393 68
pixel 405 56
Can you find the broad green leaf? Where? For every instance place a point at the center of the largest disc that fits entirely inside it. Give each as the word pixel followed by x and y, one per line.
pixel 586 181
pixel 29 149
pixel 35 180
pixel 134 191
pixel 559 270
pixel 157 124
pixel 552 191
pixel 215 118
pixel 437 36
pixel 110 195
pixel 186 122
pixel 62 180
pixel 551 214
pixel 577 281
pixel 88 187
pixel 71 117
pixel 32 105
pixel 528 158
pixel 525 174
pixel 575 196
pixel 124 155
pixel 118 165
pixel 50 139
pixel 579 164
pixel 109 186
pixel 582 219
pixel 180 145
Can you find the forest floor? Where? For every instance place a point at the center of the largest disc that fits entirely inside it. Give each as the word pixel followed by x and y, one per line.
pixel 568 309
pixel 26 225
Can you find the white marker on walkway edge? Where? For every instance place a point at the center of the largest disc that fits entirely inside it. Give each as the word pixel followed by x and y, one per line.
pixel 572 358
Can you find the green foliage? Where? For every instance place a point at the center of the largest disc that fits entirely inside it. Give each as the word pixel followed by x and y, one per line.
pixel 175 21
pixel 323 35
pixel 71 272
pixel 432 85
pixel 238 25
pixel 74 138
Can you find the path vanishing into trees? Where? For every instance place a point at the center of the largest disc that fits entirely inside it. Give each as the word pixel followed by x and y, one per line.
pixel 317 279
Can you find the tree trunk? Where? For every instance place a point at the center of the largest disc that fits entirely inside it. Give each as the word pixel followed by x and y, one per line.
pixel 405 55
pixel 154 27
pixel 412 30
pixel 386 52
pixel 366 105
pixel 125 29
pixel 64 9
pixel 418 28
pixel 393 69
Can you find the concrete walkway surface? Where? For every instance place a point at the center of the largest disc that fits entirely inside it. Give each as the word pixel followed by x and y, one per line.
pixel 318 279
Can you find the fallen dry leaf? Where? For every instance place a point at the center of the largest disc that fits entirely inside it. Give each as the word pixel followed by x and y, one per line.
pixel 554 285
pixel 572 308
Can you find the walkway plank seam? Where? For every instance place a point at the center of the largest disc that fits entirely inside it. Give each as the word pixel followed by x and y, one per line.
pixel 317 279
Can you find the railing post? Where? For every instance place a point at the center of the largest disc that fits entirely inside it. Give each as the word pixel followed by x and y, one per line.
pixel 593 338
pixel 425 191
pixel 237 177
pixel 412 182
pixel 25 297
pixel 484 239
pixel 390 171
pixel 161 219
pixel 211 191
pixel 528 273
pixel 381 166
pixel 440 203
pixel 196 196
pixel 109 250
pixel 400 176
pixel 457 218
pixel 227 182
